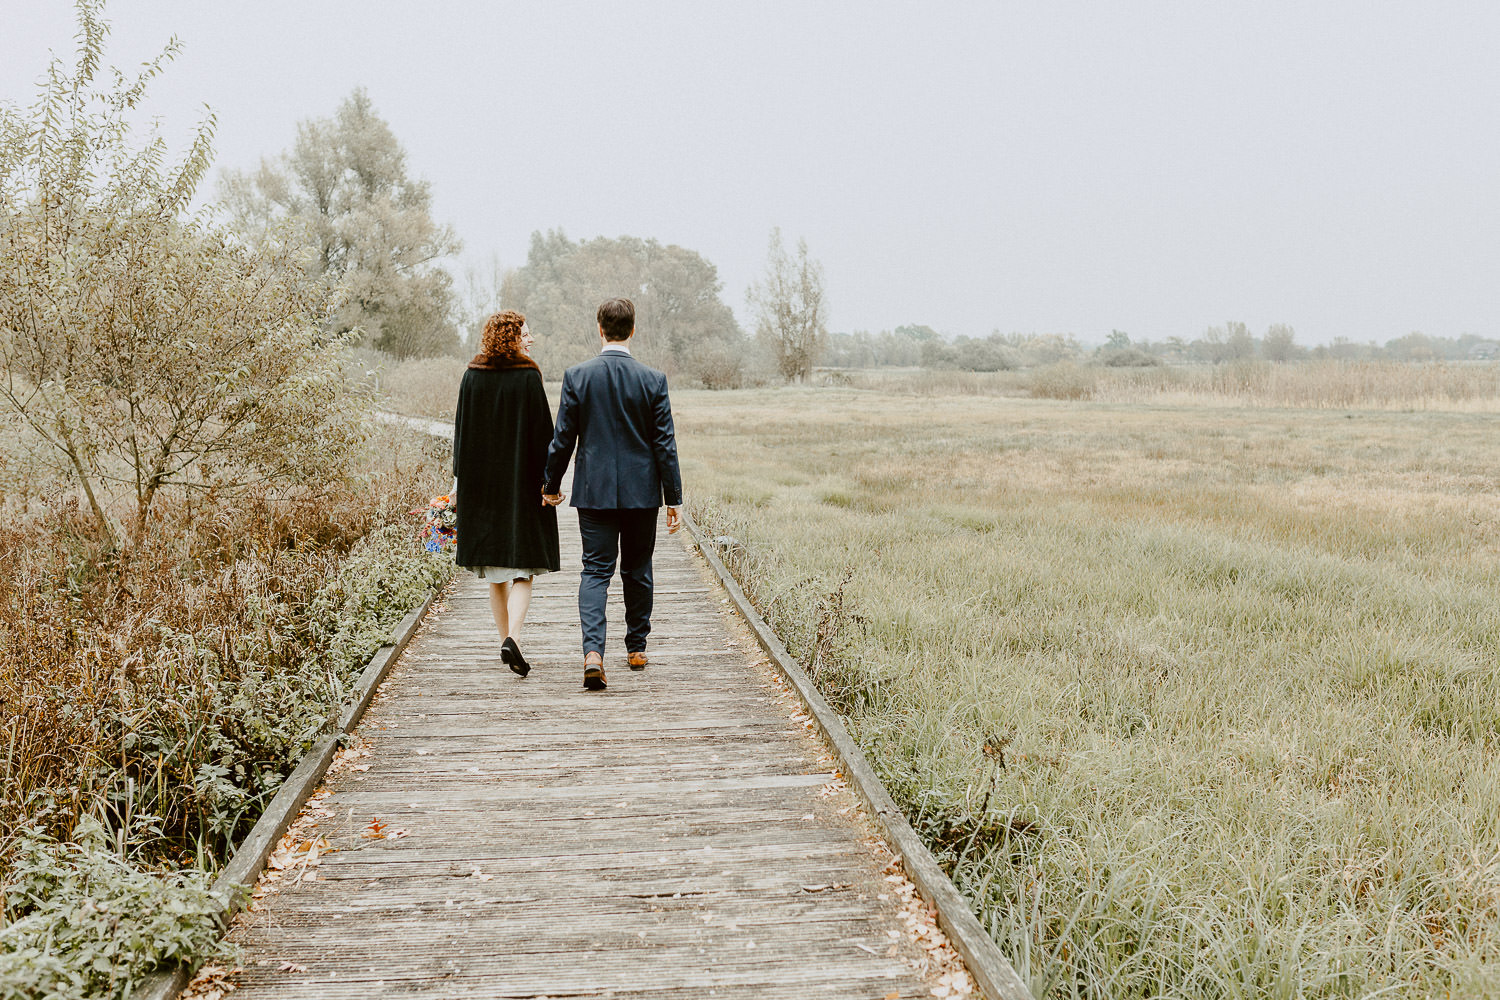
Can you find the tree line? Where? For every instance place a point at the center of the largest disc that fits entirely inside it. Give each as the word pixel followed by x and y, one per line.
pixel 920 346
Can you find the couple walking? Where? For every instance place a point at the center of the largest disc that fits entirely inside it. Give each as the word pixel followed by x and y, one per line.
pixel 615 411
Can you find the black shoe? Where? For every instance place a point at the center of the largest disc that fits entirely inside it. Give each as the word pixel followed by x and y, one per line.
pixel 510 653
pixel 593 676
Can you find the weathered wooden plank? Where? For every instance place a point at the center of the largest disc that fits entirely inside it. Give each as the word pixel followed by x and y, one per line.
pixel 598 970
pixel 462 987
pixel 727 891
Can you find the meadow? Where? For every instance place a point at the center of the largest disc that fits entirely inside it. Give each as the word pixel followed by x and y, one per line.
pixel 1193 696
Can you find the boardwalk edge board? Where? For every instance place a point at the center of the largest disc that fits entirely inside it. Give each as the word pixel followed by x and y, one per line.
pixel 249 858
pixel 989 967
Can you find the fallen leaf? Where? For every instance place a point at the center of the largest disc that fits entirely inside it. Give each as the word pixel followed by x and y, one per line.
pixel 291 967
pixel 375 831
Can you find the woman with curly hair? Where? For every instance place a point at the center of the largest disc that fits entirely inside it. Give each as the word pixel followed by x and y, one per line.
pixel 506 535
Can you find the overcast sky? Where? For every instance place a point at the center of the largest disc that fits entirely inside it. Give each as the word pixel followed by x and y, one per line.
pixel 1052 167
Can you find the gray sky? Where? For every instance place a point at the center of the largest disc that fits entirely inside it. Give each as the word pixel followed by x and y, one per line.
pixel 1052 167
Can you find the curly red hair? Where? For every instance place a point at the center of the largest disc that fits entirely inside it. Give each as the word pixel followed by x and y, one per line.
pixel 501 337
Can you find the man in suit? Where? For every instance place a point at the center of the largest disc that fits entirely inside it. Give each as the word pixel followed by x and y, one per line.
pixel 615 410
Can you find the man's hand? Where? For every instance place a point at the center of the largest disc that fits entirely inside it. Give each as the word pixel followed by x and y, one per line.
pixel 551 499
pixel 674 520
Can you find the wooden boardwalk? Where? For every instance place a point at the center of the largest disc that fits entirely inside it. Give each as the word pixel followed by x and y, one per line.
pixel 678 835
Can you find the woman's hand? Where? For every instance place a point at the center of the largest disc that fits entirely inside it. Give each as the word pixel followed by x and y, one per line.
pixel 551 499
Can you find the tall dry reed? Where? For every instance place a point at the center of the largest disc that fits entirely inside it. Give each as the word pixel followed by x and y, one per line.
pixel 1471 387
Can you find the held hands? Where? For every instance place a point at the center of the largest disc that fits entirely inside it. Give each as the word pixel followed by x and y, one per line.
pixel 674 518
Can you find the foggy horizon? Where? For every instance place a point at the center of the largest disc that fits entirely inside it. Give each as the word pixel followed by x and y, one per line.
pixel 972 167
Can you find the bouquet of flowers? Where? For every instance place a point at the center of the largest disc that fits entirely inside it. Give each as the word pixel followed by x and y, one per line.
pixel 439 531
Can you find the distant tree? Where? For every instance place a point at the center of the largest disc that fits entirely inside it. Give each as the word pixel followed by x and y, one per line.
pixel 988 354
pixel 1033 350
pixel 344 187
pixel 1279 344
pixel 1219 344
pixel 1239 342
pixel 902 347
pixel 789 308
pixel 1344 349
pixel 1469 346
pixel 1415 346
pixel 478 297
pixel 899 348
pixel 149 351
pixel 938 354
pixel 849 350
pixel 1172 349
pixel 1119 352
pixel 682 325
pixel 1210 347
pixel 917 332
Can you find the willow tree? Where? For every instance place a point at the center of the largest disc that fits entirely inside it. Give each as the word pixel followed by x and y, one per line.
pixel 343 185
pixel 147 349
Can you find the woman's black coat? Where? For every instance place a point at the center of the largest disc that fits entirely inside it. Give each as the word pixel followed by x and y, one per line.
pixel 500 437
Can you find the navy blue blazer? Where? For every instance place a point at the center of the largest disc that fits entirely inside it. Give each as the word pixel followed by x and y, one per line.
pixel 615 409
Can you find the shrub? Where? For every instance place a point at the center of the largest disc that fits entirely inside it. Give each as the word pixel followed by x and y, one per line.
pixel 987 355
pixel 717 366
pixel 1129 357
pixel 150 353
pixel 90 924
pixel 1064 380
pixel 150 728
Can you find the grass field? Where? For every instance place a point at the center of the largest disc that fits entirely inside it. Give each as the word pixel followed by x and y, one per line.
pixel 1442 386
pixel 1194 701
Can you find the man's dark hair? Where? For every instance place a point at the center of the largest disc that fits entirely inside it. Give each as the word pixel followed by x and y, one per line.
pixel 617 319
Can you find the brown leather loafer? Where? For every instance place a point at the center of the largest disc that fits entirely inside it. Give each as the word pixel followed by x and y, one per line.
pixel 593 676
pixel 637 661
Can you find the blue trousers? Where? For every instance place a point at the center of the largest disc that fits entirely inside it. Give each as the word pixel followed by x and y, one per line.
pixel 629 537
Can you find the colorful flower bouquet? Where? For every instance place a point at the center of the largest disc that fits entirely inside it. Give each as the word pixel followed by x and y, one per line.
pixel 439 530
